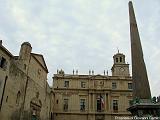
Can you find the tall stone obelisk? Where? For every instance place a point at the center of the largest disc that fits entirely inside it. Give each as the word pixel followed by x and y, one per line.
pixel 142 105
pixel 141 87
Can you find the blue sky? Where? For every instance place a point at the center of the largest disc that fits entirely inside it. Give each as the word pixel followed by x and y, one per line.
pixel 82 34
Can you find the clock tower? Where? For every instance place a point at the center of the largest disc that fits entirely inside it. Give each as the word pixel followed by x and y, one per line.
pixel 120 68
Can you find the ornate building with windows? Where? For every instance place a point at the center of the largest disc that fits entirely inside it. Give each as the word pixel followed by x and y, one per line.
pixel 25 93
pixel 93 97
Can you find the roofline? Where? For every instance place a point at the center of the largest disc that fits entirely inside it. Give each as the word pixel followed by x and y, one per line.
pixel 5 50
pixel 40 63
pixel 71 76
pixel 43 59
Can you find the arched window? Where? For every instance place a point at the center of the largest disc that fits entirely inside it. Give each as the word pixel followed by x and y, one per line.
pixel 7 99
pixel 116 59
pixel 18 97
pixel 51 114
pixel 120 59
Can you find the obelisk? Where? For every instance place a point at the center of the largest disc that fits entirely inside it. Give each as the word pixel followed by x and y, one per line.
pixel 142 104
pixel 141 88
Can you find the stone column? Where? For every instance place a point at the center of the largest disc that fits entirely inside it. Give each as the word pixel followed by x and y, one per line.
pixel 105 102
pixel 89 103
pixel 109 102
pixel 94 102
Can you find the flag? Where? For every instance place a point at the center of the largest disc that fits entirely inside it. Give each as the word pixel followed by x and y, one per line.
pixel 102 101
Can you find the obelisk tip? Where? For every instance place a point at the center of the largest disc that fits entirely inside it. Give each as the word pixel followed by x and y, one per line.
pixel 130 3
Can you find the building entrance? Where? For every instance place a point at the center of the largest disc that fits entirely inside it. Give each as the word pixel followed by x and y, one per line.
pixel 99 105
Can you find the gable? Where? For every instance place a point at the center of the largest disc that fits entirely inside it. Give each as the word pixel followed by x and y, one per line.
pixel 40 59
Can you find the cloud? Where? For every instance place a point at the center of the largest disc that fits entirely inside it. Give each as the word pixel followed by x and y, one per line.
pixel 80 34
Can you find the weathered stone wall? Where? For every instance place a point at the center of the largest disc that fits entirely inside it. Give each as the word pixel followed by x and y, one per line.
pixel 23 83
pixel 4 78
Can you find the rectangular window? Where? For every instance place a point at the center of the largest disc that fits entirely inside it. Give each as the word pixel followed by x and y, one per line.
pixel 66 84
pixel 98 105
pixel 114 85
pixel 129 85
pixel 82 104
pixel 83 84
pixel 3 62
pixel 115 105
pixel 65 106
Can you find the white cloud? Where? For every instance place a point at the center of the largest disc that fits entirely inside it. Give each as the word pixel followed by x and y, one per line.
pixel 80 34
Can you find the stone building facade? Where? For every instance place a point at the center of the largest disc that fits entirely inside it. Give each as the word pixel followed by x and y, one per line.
pixel 26 95
pixel 24 91
pixel 93 97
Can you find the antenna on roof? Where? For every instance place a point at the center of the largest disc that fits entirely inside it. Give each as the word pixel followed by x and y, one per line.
pixel 117 49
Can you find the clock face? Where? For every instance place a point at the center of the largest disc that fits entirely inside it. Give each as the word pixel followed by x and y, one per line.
pixel 122 69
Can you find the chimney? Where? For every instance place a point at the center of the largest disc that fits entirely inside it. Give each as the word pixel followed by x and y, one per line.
pixel 0 42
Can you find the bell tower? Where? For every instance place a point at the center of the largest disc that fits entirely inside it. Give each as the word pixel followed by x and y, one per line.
pixel 25 51
pixel 120 68
pixel 24 55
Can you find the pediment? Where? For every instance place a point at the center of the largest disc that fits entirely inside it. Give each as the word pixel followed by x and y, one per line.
pixel 98 77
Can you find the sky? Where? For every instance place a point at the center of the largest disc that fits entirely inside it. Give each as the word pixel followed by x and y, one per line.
pixel 82 34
